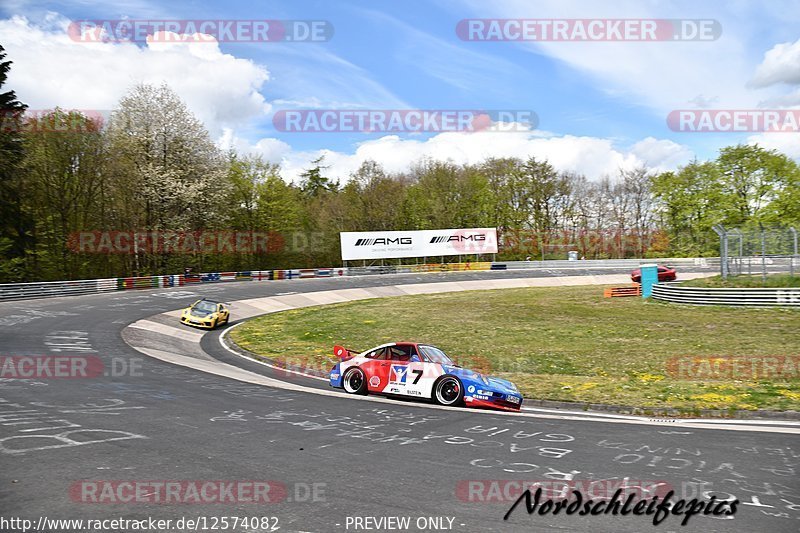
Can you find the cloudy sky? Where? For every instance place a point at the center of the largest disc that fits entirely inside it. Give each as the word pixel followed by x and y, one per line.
pixel 601 106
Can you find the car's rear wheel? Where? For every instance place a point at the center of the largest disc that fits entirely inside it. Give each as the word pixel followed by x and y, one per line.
pixel 448 391
pixel 354 381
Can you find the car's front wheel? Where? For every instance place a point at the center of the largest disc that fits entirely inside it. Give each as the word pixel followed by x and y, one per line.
pixel 448 391
pixel 354 381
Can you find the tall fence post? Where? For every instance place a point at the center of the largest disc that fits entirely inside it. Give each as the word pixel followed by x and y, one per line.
pixel 763 256
pixel 794 251
pixel 723 250
pixel 740 256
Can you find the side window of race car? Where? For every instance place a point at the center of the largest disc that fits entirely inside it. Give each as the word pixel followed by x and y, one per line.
pixel 380 353
pixel 401 353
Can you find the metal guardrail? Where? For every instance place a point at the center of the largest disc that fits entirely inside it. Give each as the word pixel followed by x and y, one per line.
pixel 49 289
pixel 529 265
pixel 52 289
pixel 613 263
pixel 755 297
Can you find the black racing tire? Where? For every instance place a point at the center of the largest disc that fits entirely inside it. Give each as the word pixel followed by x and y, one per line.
pixel 354 381
pixel 448 390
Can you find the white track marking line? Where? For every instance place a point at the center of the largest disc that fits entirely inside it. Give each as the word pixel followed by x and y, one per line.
pixel 170 331
pixel 234 352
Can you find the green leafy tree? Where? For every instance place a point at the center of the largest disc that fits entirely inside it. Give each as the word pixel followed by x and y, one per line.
pixel 751 177
pixel 688 202
pixel 312 182
pixel 64 169
pixel 15 223
pixel 169 175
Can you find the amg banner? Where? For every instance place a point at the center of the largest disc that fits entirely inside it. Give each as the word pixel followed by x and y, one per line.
pixel 424 243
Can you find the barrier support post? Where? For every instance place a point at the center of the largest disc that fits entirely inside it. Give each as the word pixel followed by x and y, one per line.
pixel 649 278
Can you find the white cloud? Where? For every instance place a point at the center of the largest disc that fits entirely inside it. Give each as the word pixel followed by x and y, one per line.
pixel 781 64
pixel 313 76
pixel 591 156
pixel 786 100
pixel 787 143
pixel 464 68
pixel 661 154
pixel 659 75
pixel 50 69
pixel 272 150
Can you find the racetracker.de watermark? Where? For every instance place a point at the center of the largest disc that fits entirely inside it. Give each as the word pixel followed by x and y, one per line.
pixel 172 492
pixel 194 491
pixel 509 490
pixel 200 31
pixel 588 30
pixel 182 242
pixel 733 368
pixel 319 366
pixel 734 120
pixel 52 120
pixel 67 367
pixel 403 120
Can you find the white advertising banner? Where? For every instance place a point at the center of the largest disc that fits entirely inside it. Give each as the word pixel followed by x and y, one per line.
pixel 423 243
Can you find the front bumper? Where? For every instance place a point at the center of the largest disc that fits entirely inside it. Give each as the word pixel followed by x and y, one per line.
pixel 497 400
pixel 205 323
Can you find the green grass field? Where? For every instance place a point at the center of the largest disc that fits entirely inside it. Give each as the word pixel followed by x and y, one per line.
pixel 565 343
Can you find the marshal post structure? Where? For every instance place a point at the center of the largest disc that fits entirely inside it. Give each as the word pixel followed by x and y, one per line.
pixel 424 243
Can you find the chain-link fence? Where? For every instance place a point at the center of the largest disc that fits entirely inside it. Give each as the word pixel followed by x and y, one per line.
pixel 758 252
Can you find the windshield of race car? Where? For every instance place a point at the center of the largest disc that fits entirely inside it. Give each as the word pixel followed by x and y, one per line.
pixel 207 307
pixel 435 355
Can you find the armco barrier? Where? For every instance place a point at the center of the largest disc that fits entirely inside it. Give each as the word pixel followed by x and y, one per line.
pixel 425 267
pixel 22 291
pixel 145 282
pixel 681 262
pixel 49 289
pixel 757 297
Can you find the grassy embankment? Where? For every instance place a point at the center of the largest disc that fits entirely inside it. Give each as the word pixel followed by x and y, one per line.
pixel 565 343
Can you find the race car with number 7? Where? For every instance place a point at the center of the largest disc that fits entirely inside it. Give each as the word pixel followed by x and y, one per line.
pixel 423 371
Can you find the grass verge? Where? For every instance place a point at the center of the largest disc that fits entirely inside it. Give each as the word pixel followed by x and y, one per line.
pixel 565 343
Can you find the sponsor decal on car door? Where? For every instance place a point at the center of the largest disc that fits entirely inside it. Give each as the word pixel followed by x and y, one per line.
pixel 421 376
pixel 398 378
pixel 377 373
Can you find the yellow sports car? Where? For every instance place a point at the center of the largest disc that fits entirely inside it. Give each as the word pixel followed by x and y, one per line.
pixel 205 314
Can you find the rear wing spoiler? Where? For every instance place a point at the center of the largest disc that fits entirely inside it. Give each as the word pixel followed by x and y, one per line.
pixel 344 353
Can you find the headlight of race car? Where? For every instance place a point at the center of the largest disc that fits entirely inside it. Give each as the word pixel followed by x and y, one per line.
pixel 483 378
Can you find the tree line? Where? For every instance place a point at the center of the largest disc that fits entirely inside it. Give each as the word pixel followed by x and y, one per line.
pixel 153 167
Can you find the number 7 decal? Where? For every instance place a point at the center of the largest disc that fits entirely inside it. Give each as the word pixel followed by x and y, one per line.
pixel 418 373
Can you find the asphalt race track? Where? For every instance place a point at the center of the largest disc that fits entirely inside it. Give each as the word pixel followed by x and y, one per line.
pixel 333 460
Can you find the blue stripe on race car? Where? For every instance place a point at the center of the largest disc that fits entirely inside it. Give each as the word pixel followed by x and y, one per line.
pixel 336 376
